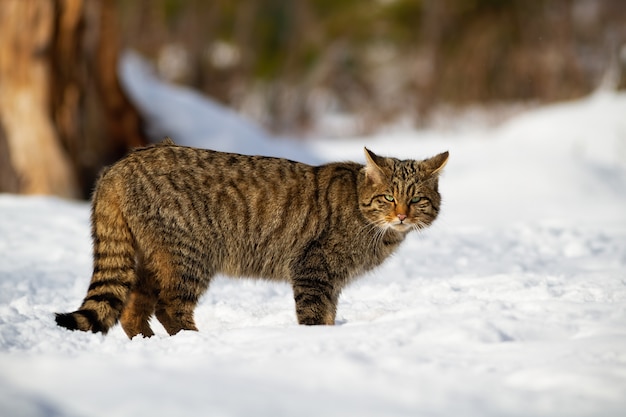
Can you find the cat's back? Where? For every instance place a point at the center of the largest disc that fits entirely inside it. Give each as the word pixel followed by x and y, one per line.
pixel 167 167
pixel 177 162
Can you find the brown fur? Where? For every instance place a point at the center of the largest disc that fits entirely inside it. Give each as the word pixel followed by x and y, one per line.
pixel 167 218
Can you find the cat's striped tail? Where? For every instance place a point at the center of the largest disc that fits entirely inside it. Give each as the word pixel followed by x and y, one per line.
pixel 114 268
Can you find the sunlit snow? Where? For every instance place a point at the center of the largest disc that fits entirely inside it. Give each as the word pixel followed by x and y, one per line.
pixel 512 304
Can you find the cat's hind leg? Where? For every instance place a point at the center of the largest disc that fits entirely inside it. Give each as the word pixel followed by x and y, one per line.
pixel 176 305
pixel 176 315
pixel 180 290
pixel 136 315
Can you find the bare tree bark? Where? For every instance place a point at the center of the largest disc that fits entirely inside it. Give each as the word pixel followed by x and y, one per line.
pixel 26 34
pixel 9 178
pixel 62 109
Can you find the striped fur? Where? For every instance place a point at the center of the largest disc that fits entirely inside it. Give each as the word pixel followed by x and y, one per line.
pixel 167 218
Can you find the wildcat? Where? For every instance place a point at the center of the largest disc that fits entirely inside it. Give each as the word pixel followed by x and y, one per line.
pixel 167 218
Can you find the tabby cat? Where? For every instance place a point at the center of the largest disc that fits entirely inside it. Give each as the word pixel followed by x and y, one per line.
pixel 167 218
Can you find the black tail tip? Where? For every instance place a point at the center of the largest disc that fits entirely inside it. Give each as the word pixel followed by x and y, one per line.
pixel 66 320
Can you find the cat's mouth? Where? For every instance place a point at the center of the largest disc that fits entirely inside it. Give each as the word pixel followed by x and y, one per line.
pixel 399 225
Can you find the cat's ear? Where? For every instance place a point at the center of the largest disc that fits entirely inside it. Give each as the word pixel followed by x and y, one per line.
pixel 373 170
pixel 435 164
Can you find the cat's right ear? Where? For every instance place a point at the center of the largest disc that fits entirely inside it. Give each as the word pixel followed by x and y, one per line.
pixel 373 171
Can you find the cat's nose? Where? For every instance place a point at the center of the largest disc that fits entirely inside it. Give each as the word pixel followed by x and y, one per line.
pixel 402 217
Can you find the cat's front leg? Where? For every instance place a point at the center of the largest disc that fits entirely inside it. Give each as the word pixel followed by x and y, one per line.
pixel 314 291
pixel 314 306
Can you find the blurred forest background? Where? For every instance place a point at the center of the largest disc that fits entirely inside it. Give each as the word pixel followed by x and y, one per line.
pixel 285 61
pixel 285 64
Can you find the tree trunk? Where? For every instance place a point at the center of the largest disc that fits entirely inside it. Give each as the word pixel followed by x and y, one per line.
pixel 63 114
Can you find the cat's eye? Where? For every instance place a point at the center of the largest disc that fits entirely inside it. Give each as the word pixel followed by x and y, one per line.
pixel 389 198
pixel 422 202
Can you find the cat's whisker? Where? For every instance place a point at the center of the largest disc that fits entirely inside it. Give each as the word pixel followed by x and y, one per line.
pixel 376 230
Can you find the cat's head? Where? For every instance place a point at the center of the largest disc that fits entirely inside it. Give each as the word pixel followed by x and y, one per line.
pixel 400 195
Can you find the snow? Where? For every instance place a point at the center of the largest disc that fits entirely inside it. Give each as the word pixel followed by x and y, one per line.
pixel 512 304
pixel 192 120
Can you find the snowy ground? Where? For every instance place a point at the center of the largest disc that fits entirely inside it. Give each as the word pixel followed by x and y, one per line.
pixel 513 304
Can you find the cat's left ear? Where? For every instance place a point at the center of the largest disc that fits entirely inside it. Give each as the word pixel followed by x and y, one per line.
pixel 435 164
